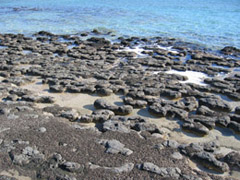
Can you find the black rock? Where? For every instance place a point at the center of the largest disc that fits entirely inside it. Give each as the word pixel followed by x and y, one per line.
pixel 152 128
pixel 209 161
pixel 72 114
pixel 169 172
pixel 118 110
pixel 190 149
pixel 115 126
pixel 235 117
pixel 71 166
pixel 104 91
pixel 171 94
pixel 209 122
pixel 229 50
pixel 237 110
pixel 215 104
pixel 234 126
pixel 203 110
pixel 115 147
pixel 188 103
pixel 57 88
pixel 163 109
pixel 233 159
pixel 135 103
pixel 223 120
pixel 196 127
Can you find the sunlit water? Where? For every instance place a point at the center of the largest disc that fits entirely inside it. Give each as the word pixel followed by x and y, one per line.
pixel 212 22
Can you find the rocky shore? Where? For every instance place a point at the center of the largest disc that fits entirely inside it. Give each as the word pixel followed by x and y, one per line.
pixel 83 107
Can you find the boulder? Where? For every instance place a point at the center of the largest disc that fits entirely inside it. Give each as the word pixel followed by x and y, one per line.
pixel 72 114
pixel 233 159
pixel 152 128
pixel 215 104
pixel 135 103
pixel 188 103
pixel 209 122
pixel 196 127
pixel 223 120
pixel 118 110
pixel 205 111
pixel 162 109
pixel 104 91
pixel 229 50
pixel 237 110
pixel 234 126
pixel 209 161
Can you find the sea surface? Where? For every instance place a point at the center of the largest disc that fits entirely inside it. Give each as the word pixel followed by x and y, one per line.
pixel 211 23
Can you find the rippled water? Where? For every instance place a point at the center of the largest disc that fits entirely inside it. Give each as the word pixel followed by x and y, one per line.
pixel 214 23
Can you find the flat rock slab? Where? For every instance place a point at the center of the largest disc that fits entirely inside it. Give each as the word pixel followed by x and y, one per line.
pixel 215 104
pixel 115 147
pixel 164 172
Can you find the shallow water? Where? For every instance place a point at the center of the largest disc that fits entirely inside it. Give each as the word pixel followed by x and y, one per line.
pixel 193 76
pixel 214 22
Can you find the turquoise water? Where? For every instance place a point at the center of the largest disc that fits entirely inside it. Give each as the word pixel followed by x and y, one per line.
pixel 215 23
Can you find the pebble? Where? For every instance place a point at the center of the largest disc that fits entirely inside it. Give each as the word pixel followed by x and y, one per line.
pixel 177 155
pixel 42 129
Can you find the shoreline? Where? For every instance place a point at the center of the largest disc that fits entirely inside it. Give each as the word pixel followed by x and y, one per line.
pixel 113 37
pixel 73 108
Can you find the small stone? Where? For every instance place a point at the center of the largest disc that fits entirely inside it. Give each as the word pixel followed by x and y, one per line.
pixel 171 143
pixel 5 111
pixel 71 166
pixel 125 168
pixel 72 114
pixel 42 129
pixel 159 146
pixel 157 135
pixel 172 172
pixel 115 126
pixel 233 159
pixel 115 147
pixel 177 155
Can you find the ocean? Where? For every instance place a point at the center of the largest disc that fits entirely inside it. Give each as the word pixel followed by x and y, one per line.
pixel 211 23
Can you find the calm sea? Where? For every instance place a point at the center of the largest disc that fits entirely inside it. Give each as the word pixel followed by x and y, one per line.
pixel 213 23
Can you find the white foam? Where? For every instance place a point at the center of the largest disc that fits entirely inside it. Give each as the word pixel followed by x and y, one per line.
pixel 167 49
pixel 138 50
pixel 27 52
pixel 193 76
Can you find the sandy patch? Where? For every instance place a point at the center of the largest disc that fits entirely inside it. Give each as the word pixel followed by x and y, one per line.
pixel 79 101
pixel 172 128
